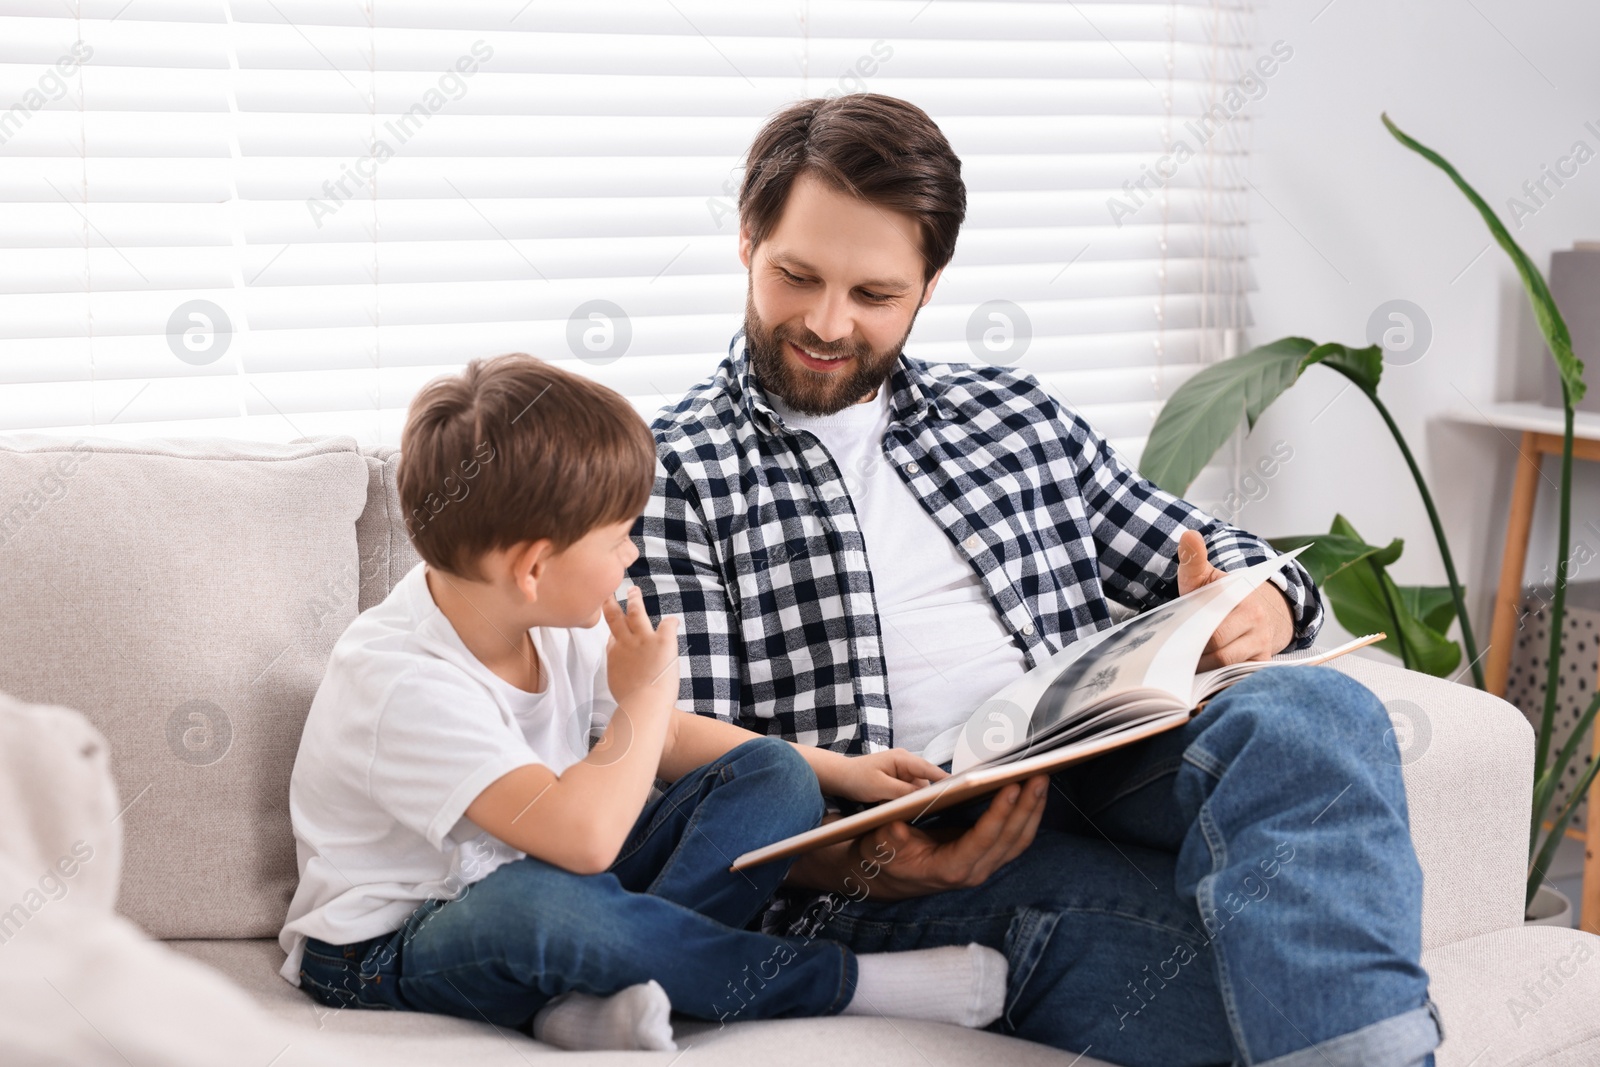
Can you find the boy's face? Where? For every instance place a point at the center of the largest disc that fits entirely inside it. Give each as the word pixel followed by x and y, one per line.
pixel 576 581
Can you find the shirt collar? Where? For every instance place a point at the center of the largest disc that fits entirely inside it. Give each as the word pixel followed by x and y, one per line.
pixel 914 394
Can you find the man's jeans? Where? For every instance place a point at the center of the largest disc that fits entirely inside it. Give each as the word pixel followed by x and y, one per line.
pixel 1241 889
pixel 667 909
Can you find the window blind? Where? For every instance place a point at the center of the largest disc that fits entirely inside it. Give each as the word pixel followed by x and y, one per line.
pixel 277 218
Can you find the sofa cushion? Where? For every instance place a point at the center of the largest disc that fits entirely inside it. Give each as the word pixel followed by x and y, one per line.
pixel 1518 998
pixel 400 1039
pixel 185 596
pixel 386 552
pixel 1512 998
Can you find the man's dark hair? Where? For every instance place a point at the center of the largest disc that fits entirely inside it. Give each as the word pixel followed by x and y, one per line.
pixel 878 148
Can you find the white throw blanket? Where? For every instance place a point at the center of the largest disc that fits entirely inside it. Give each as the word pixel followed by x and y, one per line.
pixel 79 985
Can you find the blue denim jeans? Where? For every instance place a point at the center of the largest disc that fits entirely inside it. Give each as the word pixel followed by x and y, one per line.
pixel 668 908
pixel 1239 890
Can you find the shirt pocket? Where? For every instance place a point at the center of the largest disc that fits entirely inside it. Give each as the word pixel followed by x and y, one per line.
pixel 753 587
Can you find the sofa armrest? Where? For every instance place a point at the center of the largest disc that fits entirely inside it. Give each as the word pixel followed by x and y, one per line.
pixel 1467 760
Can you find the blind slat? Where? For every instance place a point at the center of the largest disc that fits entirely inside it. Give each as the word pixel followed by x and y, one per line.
pixel 230 154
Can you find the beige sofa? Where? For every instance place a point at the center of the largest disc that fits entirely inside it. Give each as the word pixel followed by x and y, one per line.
pixel 184 595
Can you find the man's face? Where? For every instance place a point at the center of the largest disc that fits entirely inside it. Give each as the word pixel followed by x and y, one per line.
pixel 836 277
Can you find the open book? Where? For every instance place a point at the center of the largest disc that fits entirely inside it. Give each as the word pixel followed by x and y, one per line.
pixel 1101 692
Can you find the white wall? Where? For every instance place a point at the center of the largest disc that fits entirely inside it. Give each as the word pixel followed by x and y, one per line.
pixel 1346 218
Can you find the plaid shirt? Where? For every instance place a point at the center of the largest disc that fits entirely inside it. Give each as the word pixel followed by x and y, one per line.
pixel 750 536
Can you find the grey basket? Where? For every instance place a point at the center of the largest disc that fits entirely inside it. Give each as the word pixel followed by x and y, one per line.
pixel 1580 657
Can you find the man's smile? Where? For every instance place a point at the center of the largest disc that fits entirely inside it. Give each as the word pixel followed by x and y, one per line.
pixel 816 360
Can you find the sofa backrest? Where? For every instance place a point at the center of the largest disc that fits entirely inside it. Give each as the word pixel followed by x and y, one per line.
pixel 386 552
pixel 185 595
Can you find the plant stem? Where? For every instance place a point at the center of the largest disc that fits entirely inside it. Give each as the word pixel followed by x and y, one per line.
pixel 1557 829
pixel 1438 535
pixel 1544 788
pixel 1557 608
pixel 1394 614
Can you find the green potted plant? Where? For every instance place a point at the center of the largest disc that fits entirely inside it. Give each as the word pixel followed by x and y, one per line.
pixel 1206 410
pixel 1546 772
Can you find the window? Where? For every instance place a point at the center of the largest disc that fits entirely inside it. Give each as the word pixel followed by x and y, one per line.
pixel 276 218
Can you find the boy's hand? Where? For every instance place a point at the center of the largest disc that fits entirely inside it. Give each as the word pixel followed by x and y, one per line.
pixel 641 660
pixel 878 776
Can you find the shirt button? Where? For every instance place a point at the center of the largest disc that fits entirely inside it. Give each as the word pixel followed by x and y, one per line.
pixel 972 543
pixel 1027 628
pixel 911 468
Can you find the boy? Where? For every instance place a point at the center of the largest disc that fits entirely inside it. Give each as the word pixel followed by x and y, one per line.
pixel 461 847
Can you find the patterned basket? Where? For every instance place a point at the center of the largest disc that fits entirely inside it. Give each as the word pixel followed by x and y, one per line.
pixel 1580 656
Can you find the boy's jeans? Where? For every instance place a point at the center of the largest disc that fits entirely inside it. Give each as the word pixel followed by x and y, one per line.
pixel 667 909
pixel 1241 889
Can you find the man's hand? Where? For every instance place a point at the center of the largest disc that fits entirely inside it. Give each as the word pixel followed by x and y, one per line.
pixel 898 861
pixel 1259 628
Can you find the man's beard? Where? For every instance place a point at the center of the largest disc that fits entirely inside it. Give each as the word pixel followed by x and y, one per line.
pixel 807 391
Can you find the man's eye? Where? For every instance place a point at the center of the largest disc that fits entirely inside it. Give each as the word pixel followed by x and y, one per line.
pixel 876 298
pixel 794 278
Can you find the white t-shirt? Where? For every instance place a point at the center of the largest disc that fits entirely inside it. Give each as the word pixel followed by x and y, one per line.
pixel 944 646
pixel 407 728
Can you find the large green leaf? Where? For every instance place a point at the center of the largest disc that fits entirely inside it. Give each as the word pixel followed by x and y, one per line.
pixel 1551 324
pixel 1365 600
pixel 1353 577
pixel 1433 604
pixel 1364 366
pixel 1204 411
pixel 1329 554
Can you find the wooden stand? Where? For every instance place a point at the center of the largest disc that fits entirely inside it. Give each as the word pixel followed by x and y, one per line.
pixel 1538 442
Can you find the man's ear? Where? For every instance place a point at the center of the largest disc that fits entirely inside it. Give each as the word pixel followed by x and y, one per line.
pixel 927 290
pixel 745 245
pixel 529 561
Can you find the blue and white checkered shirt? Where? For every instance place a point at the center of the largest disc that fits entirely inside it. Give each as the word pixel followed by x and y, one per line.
pixel 751 537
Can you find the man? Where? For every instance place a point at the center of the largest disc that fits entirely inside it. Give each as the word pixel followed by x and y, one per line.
pixel 864 546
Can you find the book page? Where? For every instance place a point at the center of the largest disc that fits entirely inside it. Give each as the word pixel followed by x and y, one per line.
pixel 1139 717
pixel 1157 650
pixel 1208 684
pixel 1176 660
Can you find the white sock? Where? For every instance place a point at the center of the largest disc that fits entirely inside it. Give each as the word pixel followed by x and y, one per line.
pixel 637 1017
pixel 960 984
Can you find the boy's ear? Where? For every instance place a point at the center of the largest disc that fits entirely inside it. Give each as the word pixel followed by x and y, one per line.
pixel 529 560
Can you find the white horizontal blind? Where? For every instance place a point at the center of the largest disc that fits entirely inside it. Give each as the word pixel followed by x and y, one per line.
pixel 275 218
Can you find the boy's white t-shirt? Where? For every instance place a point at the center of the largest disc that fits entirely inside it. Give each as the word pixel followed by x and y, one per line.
pixel 406 729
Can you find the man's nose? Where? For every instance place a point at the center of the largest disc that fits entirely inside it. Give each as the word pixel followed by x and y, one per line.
pixel 829 318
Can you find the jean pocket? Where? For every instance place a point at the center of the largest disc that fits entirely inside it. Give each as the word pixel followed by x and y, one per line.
pixel 331 981
pixel 326 955
pixel 344 976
